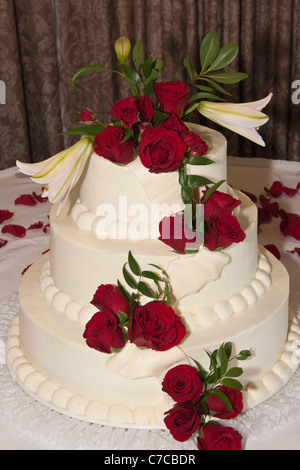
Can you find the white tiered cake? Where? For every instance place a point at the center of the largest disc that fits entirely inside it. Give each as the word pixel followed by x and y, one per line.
pixel 238 295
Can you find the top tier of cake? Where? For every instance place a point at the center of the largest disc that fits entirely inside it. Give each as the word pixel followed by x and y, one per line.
pixel 118 193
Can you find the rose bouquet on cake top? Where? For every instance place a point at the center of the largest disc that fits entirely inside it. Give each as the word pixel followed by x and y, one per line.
pixel 150 124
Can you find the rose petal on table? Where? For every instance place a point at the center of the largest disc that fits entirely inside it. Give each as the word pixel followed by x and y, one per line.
pixel 295 250
pixel 2 242
pixel 276 189
pixel 5 214
pixel 291 192
pixel 46 228
pixel 36 225
pixel 25 269
pixel 39 197
pixel 290 224
pixel 15 230
pixel 26 199
pixel 273 249
pixel 263 215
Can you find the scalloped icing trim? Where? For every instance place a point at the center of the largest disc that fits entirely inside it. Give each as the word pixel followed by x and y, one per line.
pixel 203 318
pixel 118 414
pixel 206 317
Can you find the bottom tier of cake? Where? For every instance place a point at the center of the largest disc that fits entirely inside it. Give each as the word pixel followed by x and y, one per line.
pixel 47 354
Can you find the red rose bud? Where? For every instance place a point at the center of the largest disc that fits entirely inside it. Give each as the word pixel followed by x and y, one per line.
pixel 87 116
pixel 144 108
pixel 218 406
pixel 183 384
pixel 177 234
pixel 161 150
pixel 196 145
pixel 223 229
pixel 218 437
pixel 155 326
pixel 108 144
pixel 183 420
pixel 103 333
pixel 109 296
pixel 172 96
pixel 126 111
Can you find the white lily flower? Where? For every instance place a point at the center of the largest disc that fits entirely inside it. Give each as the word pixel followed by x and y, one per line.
pixel 59 173
pixel 242 118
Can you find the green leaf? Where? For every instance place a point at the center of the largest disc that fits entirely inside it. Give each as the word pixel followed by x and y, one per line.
pixel 223 397
pixel 226 55
pixel 144 289
pixel 216 86
pixel 151 275
pixel 128 278
pixel 187 195
pixel 227 346
pixel 232 383
pixel 137 54
pixel 190 69
pixel 157 64
pixel 243 355
pixel 90 68
pixel 124 291
pixel 203 88
pixel 199 160
pixel 209 49
pixel 222 360
pixel 234 372
pixel 90 129
pixel 123 318
pixel 127 135
pixel 133 264
pixel 204 95
pixel 195 181
pixel 131 74
pixel 208 193
pixel 147 67
pixel 227 77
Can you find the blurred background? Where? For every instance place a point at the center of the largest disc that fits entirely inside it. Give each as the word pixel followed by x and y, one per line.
pixel 44 42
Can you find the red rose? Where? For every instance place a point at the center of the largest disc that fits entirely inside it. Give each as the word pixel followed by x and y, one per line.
pixel 218 437
pixel 182 421
pixel 125 110
pixel 196 145
pixel 103 333
pixel 109 296
pixel 290 224
pixel 183 384
pixel 155 326
pixel 176 124
pixel 144 108
pixel 218 406
pixel 108 145
pixel 161 150
pixel 219 201
pixel 177 234
pixel 172 96
pixel 223 229
pixel 87 115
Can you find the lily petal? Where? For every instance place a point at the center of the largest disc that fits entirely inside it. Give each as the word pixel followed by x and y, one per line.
pixel 59 173
pixel 242 118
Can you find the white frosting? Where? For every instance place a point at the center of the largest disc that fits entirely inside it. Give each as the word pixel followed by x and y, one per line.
pixel 238 295
pixel 62 398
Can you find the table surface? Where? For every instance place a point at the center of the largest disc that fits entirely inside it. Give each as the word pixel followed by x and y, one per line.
pixel 252 175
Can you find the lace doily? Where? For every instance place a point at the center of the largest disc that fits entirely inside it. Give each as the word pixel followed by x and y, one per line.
pixel 48 427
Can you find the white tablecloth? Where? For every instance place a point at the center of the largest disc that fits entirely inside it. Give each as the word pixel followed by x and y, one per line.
pixel 275 424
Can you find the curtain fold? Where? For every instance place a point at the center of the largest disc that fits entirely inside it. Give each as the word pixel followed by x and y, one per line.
pixel 44 42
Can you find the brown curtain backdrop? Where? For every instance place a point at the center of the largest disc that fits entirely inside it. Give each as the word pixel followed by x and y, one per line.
pixel 44 42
